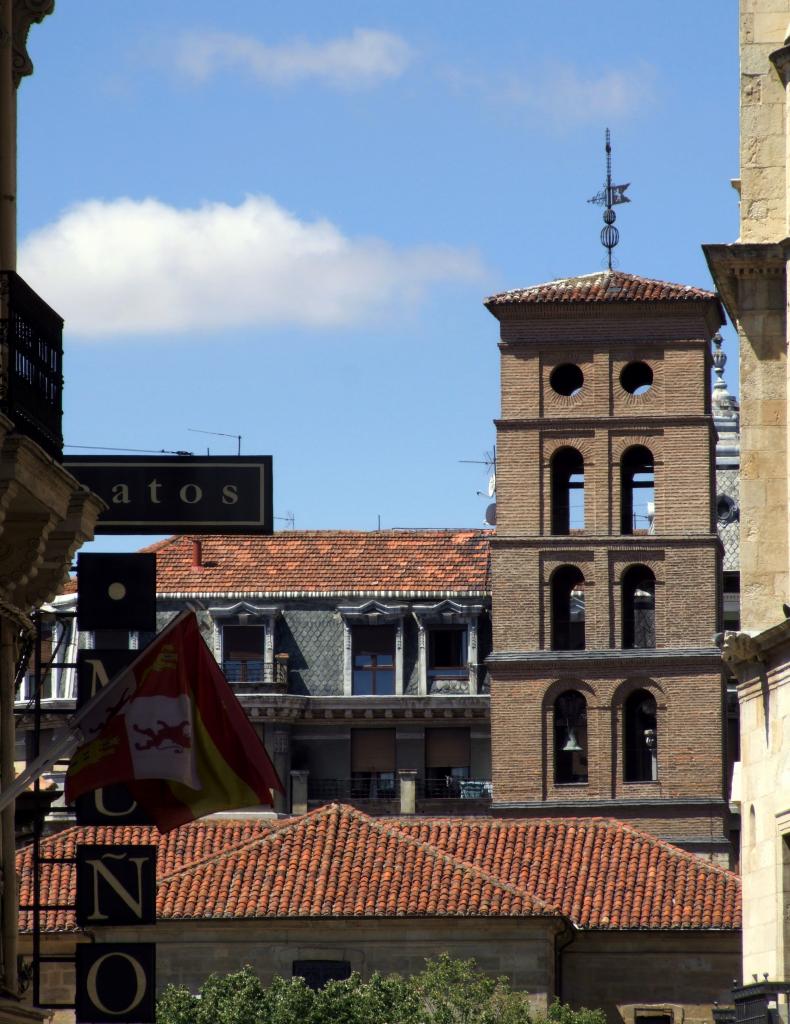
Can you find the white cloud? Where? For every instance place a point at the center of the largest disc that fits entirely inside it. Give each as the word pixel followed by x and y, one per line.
pixel 129 266
pixel 365 57
pixel 562 96
pixel 561 92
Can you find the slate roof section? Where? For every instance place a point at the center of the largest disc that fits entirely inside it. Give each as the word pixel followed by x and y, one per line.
pixel 340 862
pixel 328 562
pixel 603 286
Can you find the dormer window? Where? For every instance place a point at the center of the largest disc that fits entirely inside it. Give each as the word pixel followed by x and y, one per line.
pixel 448 648
pixel 373 649
pixel 243 653
pixel 373 660
pixel 244 642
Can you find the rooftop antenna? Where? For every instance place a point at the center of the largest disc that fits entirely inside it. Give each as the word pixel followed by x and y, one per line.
pixel 216 433
pixel 289 518
pixel 610 195
pixel 138 451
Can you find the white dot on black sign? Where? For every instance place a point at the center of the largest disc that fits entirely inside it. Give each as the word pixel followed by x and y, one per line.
pixel 116 591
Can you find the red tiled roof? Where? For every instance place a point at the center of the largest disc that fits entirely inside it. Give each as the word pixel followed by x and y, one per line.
pixel 327 562
pixel 339 862
pixel 600 873
pixel 602 286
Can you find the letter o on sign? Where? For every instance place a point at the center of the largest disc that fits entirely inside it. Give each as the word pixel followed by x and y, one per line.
pixel 116 982
pixel 190 494
pixel 139 984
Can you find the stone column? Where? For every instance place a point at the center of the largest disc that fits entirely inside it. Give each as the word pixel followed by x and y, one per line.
pixel 407 778
pixel 299 792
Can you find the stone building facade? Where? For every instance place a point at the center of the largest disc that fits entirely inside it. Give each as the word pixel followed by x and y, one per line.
pixel 607 691
pixel 751 276
pixel 359 657
pixel 45 515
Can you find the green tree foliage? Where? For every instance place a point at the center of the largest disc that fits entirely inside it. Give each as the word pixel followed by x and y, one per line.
pixel 447 991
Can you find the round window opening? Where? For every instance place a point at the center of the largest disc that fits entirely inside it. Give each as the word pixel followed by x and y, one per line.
pixel 727 510
pixel 636 378
pixel 567 379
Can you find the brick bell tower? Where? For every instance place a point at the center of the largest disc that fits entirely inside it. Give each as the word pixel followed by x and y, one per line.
pixel 607 695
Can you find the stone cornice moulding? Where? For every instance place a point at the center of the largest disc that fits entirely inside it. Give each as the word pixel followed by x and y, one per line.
pixel 373 612
pixel 730 263
pixel 581 311
pixel 781 61
pixel 26 12
pixel 626 657
pixel 656 422
pixel 269 611
pixel 446 611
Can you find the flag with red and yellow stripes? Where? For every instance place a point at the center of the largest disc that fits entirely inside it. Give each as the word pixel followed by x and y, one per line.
pixel 170 728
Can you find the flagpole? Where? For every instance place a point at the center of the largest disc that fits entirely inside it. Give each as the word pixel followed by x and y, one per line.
pixel 64 738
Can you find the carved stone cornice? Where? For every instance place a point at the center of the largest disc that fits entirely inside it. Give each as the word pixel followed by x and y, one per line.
pixel 733 266
pixel 26 12
pixel 781 61
pixel 739 648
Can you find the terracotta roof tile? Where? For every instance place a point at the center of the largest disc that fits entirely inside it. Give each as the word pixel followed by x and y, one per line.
pixel 601 873
pixel 602 286
pixel 339 862
pixel 333 562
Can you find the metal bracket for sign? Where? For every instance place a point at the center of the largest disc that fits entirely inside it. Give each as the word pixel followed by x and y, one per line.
pixel 37 907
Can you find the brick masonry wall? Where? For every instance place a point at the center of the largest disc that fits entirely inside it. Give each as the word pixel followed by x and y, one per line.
pixel 602 420
pixel 689 726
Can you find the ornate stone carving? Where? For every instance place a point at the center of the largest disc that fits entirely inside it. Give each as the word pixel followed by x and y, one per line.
pixel 740 647
pixel 25 13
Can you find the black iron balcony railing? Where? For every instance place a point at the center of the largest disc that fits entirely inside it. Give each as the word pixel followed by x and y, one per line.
pixel 450 788
pixel 386 786
pixel 31 364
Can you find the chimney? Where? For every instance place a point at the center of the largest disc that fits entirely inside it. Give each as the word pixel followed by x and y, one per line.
pixel 197 553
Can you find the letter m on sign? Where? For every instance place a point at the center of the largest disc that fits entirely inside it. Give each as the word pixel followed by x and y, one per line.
pixel 116 885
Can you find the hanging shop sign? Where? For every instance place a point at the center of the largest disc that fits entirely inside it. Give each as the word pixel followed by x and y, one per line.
pixel 115 982
pixel 179 494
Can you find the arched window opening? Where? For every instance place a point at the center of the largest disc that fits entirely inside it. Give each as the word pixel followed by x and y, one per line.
pixel 567 609
pixel 639 607
pixel 567 491
pixel 570 738
pixel 637 490
pixel 641 738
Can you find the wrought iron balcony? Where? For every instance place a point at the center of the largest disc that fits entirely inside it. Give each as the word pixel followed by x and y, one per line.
pixel 31 364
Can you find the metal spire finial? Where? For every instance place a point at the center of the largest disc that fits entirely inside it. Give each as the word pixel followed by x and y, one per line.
pixel 609 196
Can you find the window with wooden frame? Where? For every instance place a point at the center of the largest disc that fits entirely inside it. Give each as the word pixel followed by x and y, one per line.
pixel 243 653
pixel 373 660
pixel 448 648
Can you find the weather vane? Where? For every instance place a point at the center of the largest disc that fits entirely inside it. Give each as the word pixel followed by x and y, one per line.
pixel 609 196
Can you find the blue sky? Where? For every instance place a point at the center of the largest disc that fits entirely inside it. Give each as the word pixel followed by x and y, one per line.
pixel 280 220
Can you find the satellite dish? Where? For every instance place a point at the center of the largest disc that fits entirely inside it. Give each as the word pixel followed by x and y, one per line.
pixel 492 485
pixel 491 514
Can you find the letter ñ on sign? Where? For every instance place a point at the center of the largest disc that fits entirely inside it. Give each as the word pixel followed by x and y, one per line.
pixel 116 885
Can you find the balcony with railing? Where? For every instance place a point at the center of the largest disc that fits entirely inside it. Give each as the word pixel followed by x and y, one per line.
pixel 31 364
pixel 248 675
pixel 380 793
